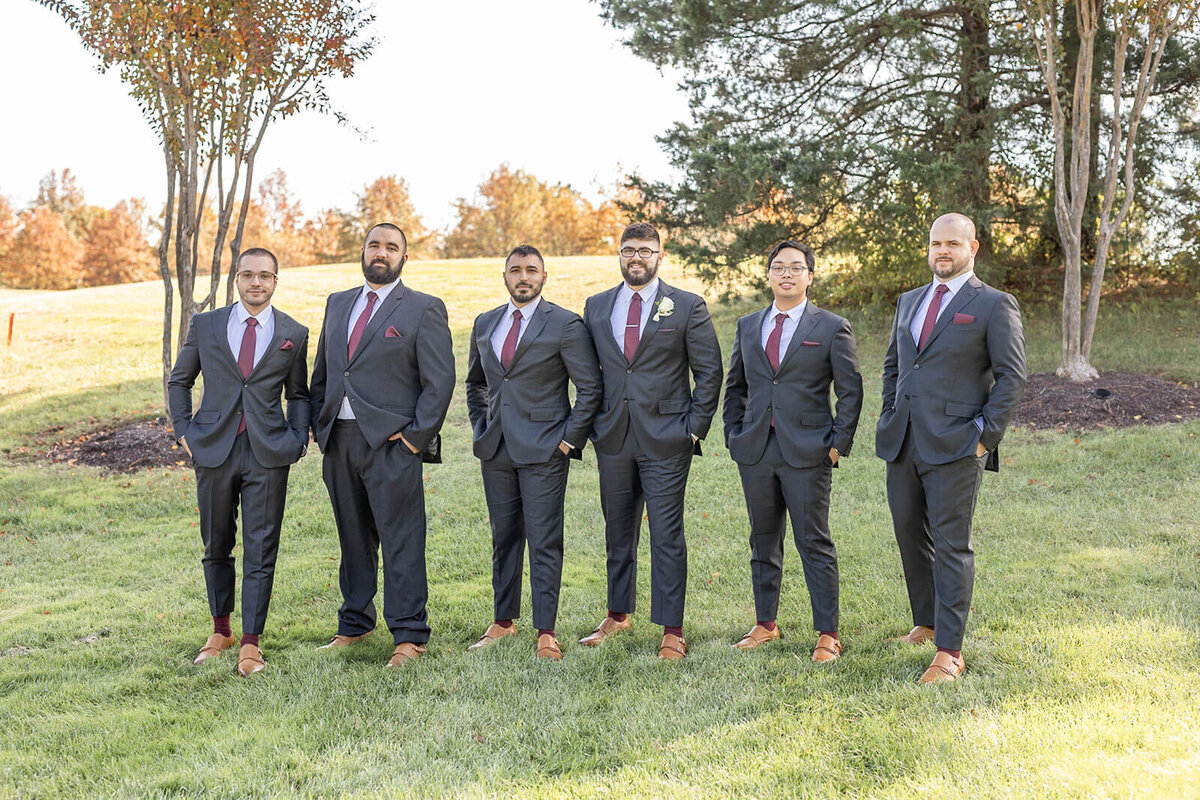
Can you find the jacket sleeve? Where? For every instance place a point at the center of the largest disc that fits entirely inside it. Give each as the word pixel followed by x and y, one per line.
pixel 295 389
pixel 891 363
pixel 1006 351
pixel 477 387
pixel 736 389
pixel 435 368
pixel 179 385
pixel 847 385
pixel 704 359
pixel 579 355
pixel 319 377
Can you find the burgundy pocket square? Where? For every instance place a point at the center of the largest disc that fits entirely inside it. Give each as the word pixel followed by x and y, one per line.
pixel 392 333
pixel 807 343
pixel 287 345
pixel 963 319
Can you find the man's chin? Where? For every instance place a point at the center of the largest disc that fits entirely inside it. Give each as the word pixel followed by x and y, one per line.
pixel 380 277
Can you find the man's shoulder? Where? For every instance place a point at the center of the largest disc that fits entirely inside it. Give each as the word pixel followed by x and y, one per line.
pixel 679 295
pixel 557 312
pixel 600 296
pixel 286 320
pixel 423 299
pixel 830 318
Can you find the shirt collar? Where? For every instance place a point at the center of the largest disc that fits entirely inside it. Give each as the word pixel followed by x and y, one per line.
pixel 382 291
pixel 794 314
pixel 648 292
pixel 955 283
pixel 262 317
pixel 527 311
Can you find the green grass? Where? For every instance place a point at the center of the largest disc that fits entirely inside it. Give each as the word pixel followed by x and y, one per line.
pixel 1083 666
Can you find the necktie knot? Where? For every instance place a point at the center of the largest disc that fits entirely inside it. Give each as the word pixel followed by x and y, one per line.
pixel 371 298
pixel 942 288
pixel 251 321
pixel 780 318
pixel 517 316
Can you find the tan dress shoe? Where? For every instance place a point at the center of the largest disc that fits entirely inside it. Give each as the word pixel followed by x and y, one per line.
pixel 827 649
pixel 494 633
pixel 944 669
pixel 343 641
pixel 216 644
pixel 250 660
pixel 672 648
pixel 405 652
pixel 918 635
pixel 758 635
pixel 547 647
pixel 607 627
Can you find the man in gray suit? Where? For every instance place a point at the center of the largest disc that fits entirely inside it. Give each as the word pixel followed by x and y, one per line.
pixel 241 444
pixel 779 430
pixel 953 375
pixel 649 336
pixel 525 429
pixel 381 386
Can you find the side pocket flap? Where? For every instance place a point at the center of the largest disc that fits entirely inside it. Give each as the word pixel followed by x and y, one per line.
pixel 815 419
pixel 965 410
pixel 205 417
pixel 544 414
pixel 678 406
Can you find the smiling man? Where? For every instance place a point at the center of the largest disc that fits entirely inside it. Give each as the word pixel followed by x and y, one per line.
pixel 381 386
pixel 953 375
pixel 779 430
pixel 522 356
pixel 241 444
pixel 661 364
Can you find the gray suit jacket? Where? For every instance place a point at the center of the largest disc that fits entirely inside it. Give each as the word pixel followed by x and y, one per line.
pixel 822 353
pixel 654 393
pixel 402 374
pixel 973 364
pixel 283 369
pixel 528 404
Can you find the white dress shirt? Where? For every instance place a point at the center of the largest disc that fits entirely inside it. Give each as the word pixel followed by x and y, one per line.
pixel 360 303
pixel 236 328
pixel 620 312
pixel 789 325
pixel 501 332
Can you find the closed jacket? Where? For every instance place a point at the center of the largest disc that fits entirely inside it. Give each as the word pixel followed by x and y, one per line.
pixel 528 404
pixel 275 440
pixel 821 354
pixel 655 393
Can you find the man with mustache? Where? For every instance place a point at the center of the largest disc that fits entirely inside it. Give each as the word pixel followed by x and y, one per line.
pixel 953 375
pixel 381 386
pixel 652 341
pixel 522 355
pixel 241 444
pixel 779 430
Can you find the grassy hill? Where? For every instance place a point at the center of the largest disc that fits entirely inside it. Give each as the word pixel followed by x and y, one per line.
pixel 1083 666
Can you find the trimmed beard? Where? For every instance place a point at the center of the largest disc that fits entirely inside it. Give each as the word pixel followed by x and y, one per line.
pixel 378 274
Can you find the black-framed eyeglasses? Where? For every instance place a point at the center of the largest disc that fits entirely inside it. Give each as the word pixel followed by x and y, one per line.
pixel 644 252
pixel 263 277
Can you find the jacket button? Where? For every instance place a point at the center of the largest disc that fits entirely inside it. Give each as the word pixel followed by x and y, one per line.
pixel 916 366
pixel 625 401
pixel 768 408
pixel 506 379
pixel 345 374
pixel 776 382
pixel 905 397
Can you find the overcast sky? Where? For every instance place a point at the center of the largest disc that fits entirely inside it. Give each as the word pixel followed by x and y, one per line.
pixel 453 89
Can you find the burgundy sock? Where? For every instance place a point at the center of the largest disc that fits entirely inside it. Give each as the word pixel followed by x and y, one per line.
pixel 221 625
pixel 768 625
pixel 956 653
pixel 249 638
pixel 615 617
pixel 830 633
pixel 504 623
pixel 675 629
pixel 545 631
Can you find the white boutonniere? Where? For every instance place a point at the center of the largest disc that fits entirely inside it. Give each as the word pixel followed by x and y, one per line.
pixel 665 308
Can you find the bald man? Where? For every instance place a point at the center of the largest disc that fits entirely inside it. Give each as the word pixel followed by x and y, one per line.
pixel 953 375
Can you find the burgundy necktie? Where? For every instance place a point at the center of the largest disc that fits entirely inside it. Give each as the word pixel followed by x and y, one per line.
pixel 774 339
pixel 360 324
pixel 246 360
pixel 632 324
pixel 931 315
pixel 509 349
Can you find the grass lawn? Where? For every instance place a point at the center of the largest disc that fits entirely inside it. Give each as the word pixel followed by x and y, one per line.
pixel 1083 666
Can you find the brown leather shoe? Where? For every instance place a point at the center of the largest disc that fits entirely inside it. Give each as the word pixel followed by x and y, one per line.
pixel 918 635
pixel 827 649
pixel 944 669
pixel 250 660
pixel 405 652
pixel 672 648
pixel 343 641
pixel 758 635
pixel 607 627
pixel 216 644
pixel 547 647
pixel 493 634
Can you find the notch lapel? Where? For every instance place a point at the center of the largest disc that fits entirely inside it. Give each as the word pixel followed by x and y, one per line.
pixel 536 323
pixel 808 321
pixel 961 298
pixel 487 331
pixel 372 330
pixel 755 324
pixel 609 305
pixel 220 332
pixel 651 326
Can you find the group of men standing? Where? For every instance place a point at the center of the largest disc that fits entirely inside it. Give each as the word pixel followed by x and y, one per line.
pixel 646 368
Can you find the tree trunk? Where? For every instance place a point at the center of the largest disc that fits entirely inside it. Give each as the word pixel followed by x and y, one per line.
pixel 164 268
pixel 974 150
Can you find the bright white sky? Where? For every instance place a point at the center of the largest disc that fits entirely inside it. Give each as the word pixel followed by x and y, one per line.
pixel 452 90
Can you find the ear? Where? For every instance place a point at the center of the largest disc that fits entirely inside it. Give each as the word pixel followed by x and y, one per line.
pixel 974 246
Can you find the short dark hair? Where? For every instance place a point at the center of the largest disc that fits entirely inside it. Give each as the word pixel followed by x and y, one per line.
pixel 390 226
pixel 641 230
pixel 525 250
pixel 810 260
pixel 259 251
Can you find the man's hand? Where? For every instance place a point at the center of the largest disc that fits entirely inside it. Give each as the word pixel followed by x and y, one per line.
pixel 980 450
pixel 833 455
pixel 186 449
pixel 400 436
pixel 565 448
pixel 695 438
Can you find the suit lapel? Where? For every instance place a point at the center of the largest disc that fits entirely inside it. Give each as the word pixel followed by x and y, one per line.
pixel 336 339
pixel 220 332
pixel 608 305
pixel 808 321
pixel 380 317
pixel 282 328
pixel 531 331
pixel 651 325
pixel 911 312
pixel 963 296
pixel 491 322
pixel 755 324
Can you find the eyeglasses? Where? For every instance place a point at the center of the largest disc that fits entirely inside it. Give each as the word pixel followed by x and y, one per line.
pixel 263 277
pixel 644 252
pixel 779 270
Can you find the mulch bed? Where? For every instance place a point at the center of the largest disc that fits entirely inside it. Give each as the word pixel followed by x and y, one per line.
pixel 1050 403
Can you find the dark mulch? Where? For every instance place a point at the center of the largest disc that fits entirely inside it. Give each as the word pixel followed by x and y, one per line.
pixel 1052 402
pixel 128 448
